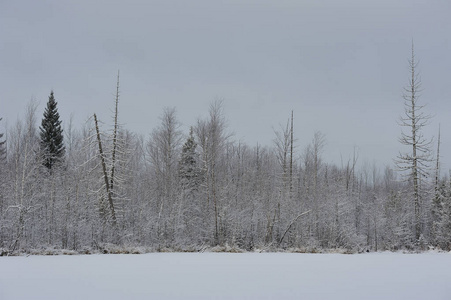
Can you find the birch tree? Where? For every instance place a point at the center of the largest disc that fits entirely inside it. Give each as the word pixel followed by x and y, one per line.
pixel 24 191
pixel 163 151
pixel 212 138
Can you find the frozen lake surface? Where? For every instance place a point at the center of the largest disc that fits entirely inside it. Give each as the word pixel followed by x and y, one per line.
pixel 228 276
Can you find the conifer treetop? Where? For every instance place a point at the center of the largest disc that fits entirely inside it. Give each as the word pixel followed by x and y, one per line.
pixel 51 133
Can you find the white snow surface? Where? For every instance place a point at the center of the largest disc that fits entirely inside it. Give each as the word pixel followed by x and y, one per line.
pixel 228 276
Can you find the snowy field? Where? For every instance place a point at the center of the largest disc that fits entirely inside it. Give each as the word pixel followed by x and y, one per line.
pixel 227 276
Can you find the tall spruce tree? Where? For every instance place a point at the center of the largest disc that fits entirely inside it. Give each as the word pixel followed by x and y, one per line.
pixel 2 147
pixel 52 144
pixel 189 171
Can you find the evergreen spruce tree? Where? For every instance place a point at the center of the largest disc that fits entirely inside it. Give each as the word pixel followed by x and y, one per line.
pixel 52 146
pixel 2 147
pixel 189 172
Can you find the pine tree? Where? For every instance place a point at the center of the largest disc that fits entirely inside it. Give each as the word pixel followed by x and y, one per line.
pixel 52 145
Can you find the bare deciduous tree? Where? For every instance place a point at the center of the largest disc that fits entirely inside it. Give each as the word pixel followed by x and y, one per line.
pixel 212 138
pixel 163 151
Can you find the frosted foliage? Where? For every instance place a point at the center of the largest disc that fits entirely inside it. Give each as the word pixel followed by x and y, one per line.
pixel 172 191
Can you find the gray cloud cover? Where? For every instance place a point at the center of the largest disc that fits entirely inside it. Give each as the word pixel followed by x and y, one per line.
pixel 340 65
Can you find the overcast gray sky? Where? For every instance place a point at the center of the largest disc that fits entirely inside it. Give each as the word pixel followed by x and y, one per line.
pixel 340 65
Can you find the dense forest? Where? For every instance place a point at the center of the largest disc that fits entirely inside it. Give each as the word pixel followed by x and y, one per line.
pixel 101 186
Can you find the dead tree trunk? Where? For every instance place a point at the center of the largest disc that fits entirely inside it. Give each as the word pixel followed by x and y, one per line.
pixel 105 174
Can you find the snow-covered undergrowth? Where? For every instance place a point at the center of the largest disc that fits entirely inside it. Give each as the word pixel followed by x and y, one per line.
pixel 118 249
pixel 227 276
pixel 106 248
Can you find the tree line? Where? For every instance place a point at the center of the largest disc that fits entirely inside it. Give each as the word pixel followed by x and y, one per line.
pixel 91 187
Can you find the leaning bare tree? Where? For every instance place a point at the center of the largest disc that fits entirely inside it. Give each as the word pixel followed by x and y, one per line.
pixel 415 162
pixel 109 165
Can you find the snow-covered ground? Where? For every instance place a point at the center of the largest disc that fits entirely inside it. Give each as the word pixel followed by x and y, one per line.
pixel 227 276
